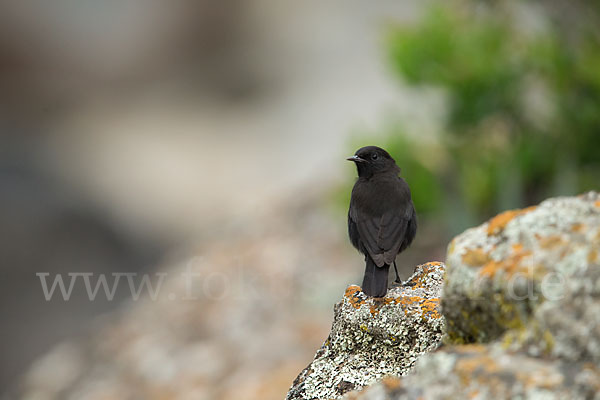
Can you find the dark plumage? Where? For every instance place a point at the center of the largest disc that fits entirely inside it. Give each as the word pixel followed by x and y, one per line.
pixel 381 220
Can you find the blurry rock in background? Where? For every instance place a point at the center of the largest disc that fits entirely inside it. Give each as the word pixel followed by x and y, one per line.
pixel 239 327
pixel 131 129
pixel 46 227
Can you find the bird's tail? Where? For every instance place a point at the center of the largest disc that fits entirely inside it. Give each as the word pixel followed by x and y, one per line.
pixel 375 281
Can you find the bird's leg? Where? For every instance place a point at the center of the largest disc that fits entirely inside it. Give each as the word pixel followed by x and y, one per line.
pixel 397 276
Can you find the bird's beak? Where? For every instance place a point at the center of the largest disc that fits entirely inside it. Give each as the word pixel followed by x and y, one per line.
pixel 355 159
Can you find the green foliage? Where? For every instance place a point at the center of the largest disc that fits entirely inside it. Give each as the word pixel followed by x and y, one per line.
pixel 422 175
pixel 523 120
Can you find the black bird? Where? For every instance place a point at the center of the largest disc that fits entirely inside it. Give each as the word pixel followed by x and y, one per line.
pixel 381 220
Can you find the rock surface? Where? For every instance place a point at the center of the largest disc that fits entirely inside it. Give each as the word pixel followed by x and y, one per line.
pixel 512 272
pixel 373 338
pixel 524 290
pixel 488 372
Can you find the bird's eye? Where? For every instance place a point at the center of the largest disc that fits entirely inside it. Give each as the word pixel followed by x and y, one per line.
pixel 374 156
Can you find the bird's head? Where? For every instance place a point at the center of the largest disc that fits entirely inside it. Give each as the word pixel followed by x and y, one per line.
pixel 371 160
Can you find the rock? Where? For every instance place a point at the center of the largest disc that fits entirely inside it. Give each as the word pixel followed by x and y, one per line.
pixel 525 287
pixel 241 327
pixel 488 372
pixel 373 338
pixel 501 272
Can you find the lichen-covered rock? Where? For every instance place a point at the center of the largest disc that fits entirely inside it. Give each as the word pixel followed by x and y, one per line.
pixel 500 272
pixel 526 287
pixel 567 327
pixel 488 372
pixel 373 338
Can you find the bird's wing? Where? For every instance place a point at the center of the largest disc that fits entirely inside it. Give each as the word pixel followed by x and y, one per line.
pixel 353 231
pixel 382 236
pixel 391 235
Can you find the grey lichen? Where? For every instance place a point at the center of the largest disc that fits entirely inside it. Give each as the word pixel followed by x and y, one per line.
pixel 373 338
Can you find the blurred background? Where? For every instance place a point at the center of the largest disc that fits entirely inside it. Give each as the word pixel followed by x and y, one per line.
pixel 156 137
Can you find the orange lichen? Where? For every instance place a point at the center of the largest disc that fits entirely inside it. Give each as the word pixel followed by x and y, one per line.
pixel 411 305
pixel 517 247
pixel 419 305
pixel 548 242
pixel 391 382
pixel 498 223
pixel 592 256
pixel 352 294
pixel 352 290
pixel 431 308
pixel 510 265
pixel 467 367
pixel 477 365
pixel 378 303
pixel 452 246
pixel 541 378
pixel 577 227
pixel 597 203
pixel 594 374
pixel 475 257
pixel 470 348
pixel 420 280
